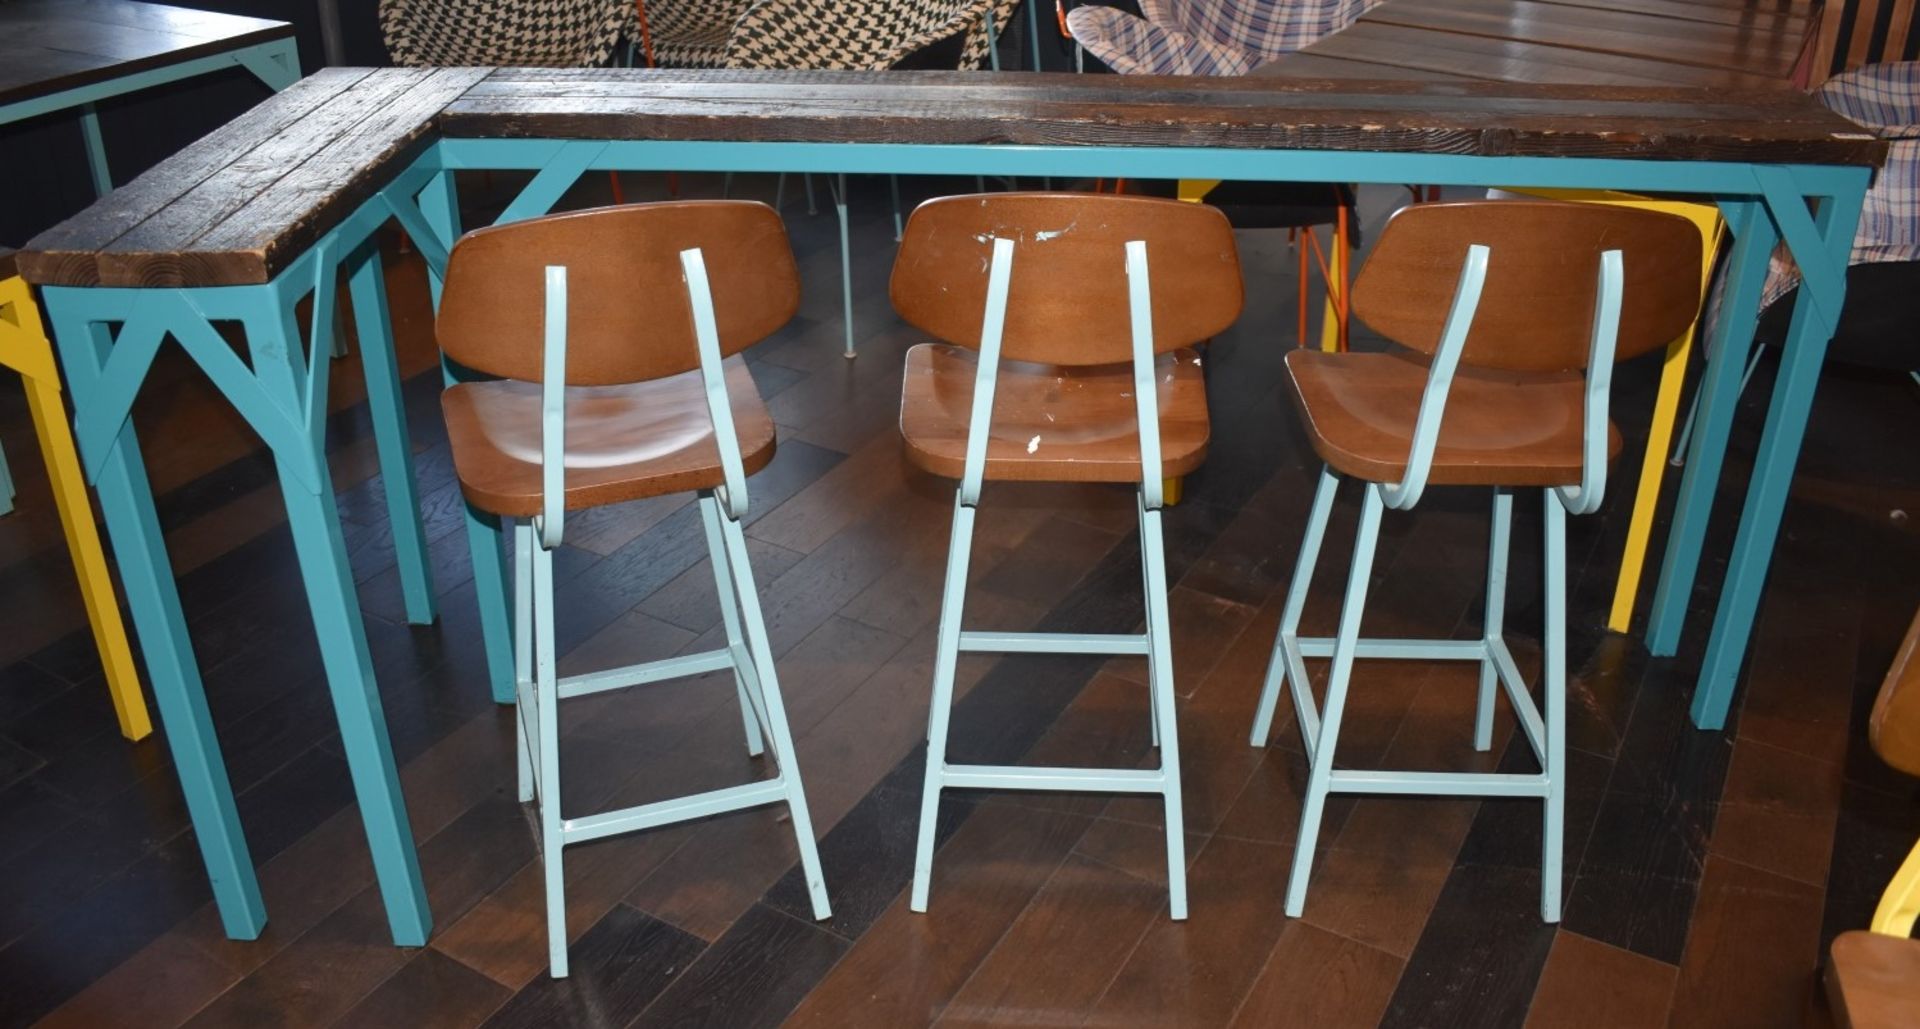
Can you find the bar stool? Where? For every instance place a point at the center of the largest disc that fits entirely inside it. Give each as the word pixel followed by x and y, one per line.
pixel 622 381
pixel 1494 395
pixel 1061 361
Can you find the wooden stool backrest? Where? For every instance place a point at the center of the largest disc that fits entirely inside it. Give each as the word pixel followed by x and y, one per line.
pixel 1067 299
pixel 629 318
pixel 1536 309
pixel 1895 727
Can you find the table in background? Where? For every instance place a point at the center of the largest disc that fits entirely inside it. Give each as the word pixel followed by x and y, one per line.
pixel 56 55
pixel 1727 44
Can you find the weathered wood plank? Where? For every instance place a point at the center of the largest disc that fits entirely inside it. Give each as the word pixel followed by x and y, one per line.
pixel 65 253
pixel 239 206
pixel 284 218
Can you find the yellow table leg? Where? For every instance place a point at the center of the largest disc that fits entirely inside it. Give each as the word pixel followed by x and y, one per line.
pixel 1653 469
pixel 1195 190
pixel 1901 902
pixel 1666 405
pixel 1336 274
pixel 25 348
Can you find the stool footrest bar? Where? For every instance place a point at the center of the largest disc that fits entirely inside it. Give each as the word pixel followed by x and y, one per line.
pixel 1015 777
pixel 1052 643
pixel 641 674
pixel 1414 650
pixel 1448 784
pixel 666 812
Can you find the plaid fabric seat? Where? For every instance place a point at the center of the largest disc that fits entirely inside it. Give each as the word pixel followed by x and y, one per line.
pixel 687 33
pixel 470 33
pixel 1885 100
pixel 859 35
pixel 1207 37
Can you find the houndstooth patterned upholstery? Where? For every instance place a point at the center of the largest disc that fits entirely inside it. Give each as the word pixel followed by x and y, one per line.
pixel 858 35
pixel 1885 99
pixel 1207 37
pixel 687 33
pixel 469 33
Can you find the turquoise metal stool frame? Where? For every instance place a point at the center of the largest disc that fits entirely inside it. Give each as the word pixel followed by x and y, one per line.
pixel 1155 643
pixel 1813 208
pixel 747 654
pixel 1320 727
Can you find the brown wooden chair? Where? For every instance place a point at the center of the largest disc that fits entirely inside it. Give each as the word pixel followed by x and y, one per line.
pixel 1513 313
pixel 1065 321
pixel 1873 977
pixel 624 382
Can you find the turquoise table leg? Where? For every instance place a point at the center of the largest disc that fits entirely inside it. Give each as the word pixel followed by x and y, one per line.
pixel 1823 260
pixel 273 338
pixel 371 317
pixel 442 209
pixel 96 151
pixel 6 485
pixel 126 501
pixel 1753 242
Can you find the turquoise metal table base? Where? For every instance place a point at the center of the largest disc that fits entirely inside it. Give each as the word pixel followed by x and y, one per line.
pixel 282 394
pixel 283 397
pixel 275 62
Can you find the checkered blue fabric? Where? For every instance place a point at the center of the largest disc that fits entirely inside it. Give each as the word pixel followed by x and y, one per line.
pixel 1885 100
pixel 1207 37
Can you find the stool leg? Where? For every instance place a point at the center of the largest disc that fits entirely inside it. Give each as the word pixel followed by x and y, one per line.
pixel 1296 602
pixel 780 737
pixel 6 485
pixel 1496 615
pixel 893 188
pixel 1555 663
pixel 806 179
pixel 1344 645
pixel 547 731
pixel 1160 681
pixel 946 655
pixel 1146 591
pixel 730 617
pixel 846 259
pixel 523 655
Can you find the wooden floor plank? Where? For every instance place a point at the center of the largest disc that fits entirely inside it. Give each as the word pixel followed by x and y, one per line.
pixel 1314 977
pixel 1061 952
pixel 429 992
pixel 619 967
pixel 1589 985
pixel 752 977
pixel 1753 950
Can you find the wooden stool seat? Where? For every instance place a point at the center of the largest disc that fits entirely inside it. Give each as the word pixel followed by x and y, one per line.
pixel 1051 423
pixel 1873 980
pixel 624 442
pixel 1502 428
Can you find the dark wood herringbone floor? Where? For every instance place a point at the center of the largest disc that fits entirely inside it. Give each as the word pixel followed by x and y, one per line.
pixel 1704 871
